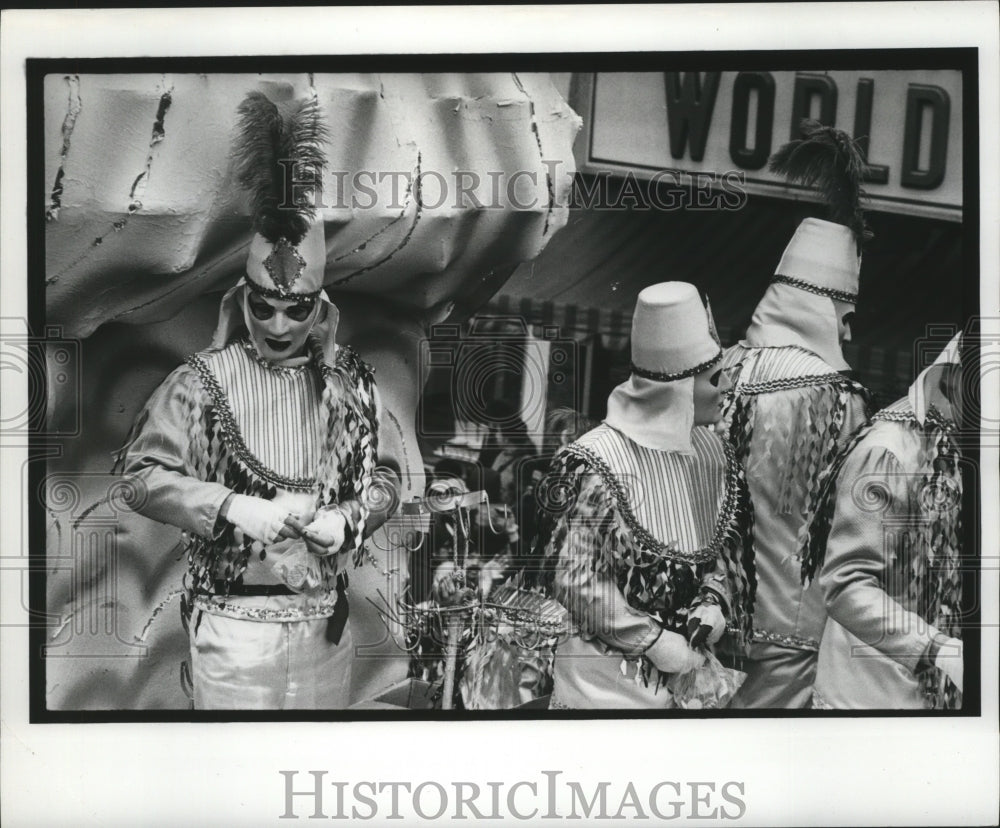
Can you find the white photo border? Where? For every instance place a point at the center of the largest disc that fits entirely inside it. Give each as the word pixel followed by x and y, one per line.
pixel 793 771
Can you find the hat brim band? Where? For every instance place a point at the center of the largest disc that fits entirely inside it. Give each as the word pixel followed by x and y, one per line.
pixel 658 376
pixel 841 295
pixel 285 295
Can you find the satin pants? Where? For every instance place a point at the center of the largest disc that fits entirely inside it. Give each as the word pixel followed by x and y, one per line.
pixel 239 664
pixel 778 678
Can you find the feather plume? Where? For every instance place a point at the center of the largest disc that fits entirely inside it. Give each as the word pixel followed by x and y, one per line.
pixel 275 146
pixel 828 159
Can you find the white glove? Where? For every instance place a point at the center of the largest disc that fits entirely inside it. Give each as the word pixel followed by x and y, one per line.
pixel 710 615
pixel 260 519
pixel 949 661
pixel 327 530
pixel 670 653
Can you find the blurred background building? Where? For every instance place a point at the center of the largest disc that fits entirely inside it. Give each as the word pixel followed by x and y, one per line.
pixel 672 184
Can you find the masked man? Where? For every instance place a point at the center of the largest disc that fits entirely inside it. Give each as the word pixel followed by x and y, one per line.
pixel 648 510
pixel 792 410
pixel 886 543
pixel 264 449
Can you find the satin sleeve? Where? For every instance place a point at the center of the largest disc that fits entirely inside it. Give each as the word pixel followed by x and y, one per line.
pixel 158 460
pixel 872 508
pixel 585 587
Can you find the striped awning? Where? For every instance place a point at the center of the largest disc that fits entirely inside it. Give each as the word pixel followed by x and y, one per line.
pixel 574 321
pixel 578 322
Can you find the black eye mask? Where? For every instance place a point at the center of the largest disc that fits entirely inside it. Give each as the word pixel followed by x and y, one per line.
pixel 263 311
pixel 299 313
pixel 260 310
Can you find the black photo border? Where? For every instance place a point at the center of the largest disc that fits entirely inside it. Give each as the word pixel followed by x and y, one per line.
pixel 964 59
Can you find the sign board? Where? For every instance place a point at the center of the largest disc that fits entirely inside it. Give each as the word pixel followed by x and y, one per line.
pixel 723 126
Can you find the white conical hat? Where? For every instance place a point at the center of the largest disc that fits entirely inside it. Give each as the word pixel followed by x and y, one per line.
pixel 925 392
pixel 673 335
pixel 822 258
pixel 673 338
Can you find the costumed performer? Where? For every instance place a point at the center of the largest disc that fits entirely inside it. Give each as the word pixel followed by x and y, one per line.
pixel 887 545
pixel 264 449
pixel 647 519
pixel 793 408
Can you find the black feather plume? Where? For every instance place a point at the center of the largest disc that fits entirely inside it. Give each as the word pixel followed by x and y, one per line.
pixel 828 159
pixel 274 147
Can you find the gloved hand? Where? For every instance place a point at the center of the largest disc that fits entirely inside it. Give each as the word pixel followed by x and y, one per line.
pixel 670 653
pixel 326 534
pixel 259 519
pixel 706 624
pixel 949 660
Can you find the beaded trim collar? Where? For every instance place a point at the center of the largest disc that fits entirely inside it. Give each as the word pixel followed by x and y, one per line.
pixel 791 383
pixel 727 513
pixel 234 438
pixel 270 366
pixel 689 372
pixel 842 295
pixel 934 419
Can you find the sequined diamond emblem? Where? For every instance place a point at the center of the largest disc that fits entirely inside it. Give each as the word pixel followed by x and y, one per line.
pixel 284 264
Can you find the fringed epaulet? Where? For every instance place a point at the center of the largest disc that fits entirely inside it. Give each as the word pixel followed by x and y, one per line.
pixel 815 444
pixel 937 583
pixel 352 437
pixel 349 361
pixel 739 554
pixel 555 495
pixel 809 440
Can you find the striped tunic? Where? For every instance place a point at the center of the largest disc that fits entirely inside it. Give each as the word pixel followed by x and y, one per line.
pixel 661 527
pixel 638 538
pixel 276 411
pixel 227 422
pixel 676 497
